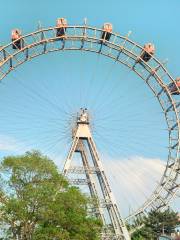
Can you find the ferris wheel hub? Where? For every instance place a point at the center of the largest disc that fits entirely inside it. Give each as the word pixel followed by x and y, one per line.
pixel 83 116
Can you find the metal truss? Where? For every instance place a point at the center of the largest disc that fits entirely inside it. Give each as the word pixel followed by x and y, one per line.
pixel 122 50
pixel 106 209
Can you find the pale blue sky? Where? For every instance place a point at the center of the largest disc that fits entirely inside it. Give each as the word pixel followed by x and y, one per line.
pixel 127 120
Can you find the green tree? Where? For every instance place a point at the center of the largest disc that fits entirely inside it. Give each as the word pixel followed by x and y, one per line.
pixel 155 224
pixel 38 203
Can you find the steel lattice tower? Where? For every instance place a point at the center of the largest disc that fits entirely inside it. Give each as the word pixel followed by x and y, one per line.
pixel 89 170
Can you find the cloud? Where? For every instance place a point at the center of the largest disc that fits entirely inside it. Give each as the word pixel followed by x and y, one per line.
pixel 10 144
pixel 133 180
pixel 7 143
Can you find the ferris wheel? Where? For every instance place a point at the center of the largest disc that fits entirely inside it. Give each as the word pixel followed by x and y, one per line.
pixel 139 60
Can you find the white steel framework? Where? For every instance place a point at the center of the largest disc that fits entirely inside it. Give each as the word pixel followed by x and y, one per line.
pixel 105 208
pixel 123 50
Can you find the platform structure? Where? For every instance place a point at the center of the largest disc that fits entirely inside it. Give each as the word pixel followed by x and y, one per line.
pixel 87 169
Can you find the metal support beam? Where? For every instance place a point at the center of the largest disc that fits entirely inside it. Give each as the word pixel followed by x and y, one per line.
pixel 96 179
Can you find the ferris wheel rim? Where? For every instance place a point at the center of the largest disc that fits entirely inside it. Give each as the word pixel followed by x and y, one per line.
pixel 168 181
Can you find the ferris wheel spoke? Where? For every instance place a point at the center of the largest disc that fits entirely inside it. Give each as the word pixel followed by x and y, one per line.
pixel 40 96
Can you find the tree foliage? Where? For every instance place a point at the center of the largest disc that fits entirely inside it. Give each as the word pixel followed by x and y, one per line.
pixel 38 203
pixel 155 224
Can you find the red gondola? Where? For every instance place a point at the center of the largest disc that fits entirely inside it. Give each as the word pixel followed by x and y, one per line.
pixel 107 30
pixel 61 25
pixel 147 52
pixel 16 39
pixel 175 88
